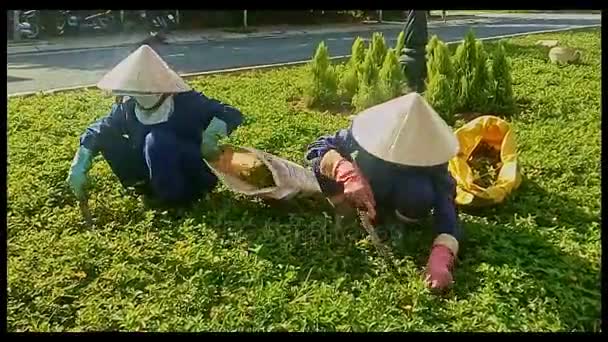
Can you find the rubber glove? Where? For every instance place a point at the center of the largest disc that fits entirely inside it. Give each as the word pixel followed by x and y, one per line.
pixel 216 130
pixel 439 268
pixel 77 177
pixel 356 188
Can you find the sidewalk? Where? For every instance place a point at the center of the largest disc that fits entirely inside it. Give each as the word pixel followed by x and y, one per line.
pixel 189 37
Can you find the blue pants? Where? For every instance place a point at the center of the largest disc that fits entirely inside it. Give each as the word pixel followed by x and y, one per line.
pixel 171 170
pixel 415 196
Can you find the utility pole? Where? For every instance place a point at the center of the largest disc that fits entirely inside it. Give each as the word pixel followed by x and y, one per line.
pixel 16 34
pixel 379 16
pixel 245 19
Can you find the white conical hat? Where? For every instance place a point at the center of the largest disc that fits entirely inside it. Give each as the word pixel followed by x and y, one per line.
pixel 142 72
pixel 405 131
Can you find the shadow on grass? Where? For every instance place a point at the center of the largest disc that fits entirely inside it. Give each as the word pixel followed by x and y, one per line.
pixel 505 249
pixel 568 280
pixel 299 233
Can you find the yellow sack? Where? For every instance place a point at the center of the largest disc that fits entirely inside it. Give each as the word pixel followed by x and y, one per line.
pixel 498 134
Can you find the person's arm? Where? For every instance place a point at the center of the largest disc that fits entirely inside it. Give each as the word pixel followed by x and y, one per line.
pixel 90 143
pixel 109 125
pixel 445 212
pixel 213 109
pixel 445 245
pixel 221 120
pixel 338 175
pixel 323 154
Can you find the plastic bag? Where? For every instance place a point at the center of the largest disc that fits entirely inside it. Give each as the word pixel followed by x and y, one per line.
pixel 287 179
pixel 498 134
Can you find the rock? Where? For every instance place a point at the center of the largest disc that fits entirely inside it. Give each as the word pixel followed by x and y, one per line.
pixel 548 43
pixel 564 55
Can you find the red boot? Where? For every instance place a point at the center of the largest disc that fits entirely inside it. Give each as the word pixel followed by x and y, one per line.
pixel 441 262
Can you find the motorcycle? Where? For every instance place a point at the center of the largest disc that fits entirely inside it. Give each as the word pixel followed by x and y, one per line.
pixel 159 21
pixel 29 24
pixel 98 22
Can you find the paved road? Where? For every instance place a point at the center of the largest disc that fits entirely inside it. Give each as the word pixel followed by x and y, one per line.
pixel 65 69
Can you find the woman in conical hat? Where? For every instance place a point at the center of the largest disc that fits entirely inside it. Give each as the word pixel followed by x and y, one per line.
pixel 156 136
pixel 392 162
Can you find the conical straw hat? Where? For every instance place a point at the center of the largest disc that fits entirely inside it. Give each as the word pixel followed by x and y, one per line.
pixel 142 72
pixel 405 131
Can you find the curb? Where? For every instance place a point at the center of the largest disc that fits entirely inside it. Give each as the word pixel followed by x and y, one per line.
pixel 288 64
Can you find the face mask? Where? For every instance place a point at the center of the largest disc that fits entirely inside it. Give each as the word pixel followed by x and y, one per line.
pixel 156 116
pixel 147 101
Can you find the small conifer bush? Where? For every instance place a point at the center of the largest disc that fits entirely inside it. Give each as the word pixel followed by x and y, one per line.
pixel 379 49
pixel 473 80
pixel 440 85
pixel 369 92
pixel 400 44
pixel 322 86
pixel 482 81
pixel 349 79
pixel 503 82
pixel 391 77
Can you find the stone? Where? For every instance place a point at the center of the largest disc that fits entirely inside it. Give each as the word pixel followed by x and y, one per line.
pixel 564 55
pixel 547 43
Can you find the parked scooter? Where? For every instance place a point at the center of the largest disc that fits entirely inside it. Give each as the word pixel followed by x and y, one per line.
pixel 29 24
pixel 98 22
pixel 159 21
pixel 158 24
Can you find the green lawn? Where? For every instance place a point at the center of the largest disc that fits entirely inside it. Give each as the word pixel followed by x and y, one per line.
pixel 232 263
pixel 478 12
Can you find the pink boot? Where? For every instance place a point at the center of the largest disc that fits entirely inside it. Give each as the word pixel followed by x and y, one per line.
pixel 441 262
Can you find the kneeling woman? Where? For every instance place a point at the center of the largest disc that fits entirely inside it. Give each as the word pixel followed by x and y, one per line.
pixel 393 160
pixel 157 138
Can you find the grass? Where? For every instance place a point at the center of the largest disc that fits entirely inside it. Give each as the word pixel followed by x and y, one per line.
pixel 236 264
pixel 477 12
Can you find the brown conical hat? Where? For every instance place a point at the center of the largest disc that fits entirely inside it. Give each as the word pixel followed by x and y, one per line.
pixel 405 131
pixel 142 72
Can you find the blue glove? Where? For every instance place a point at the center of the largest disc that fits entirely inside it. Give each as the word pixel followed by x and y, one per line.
pixel 77 176
pixel 216 130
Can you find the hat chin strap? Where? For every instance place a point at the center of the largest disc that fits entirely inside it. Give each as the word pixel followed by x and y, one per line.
pixel 159 113
pixel 150 102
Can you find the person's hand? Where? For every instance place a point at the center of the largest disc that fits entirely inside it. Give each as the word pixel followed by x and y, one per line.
pixel 77 180
pixel 357 190
pixel 216 130
pixel 439 268
pixel 210 149
pixel 77 177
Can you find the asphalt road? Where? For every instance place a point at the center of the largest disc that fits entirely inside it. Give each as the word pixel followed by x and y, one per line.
pixel 51 70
